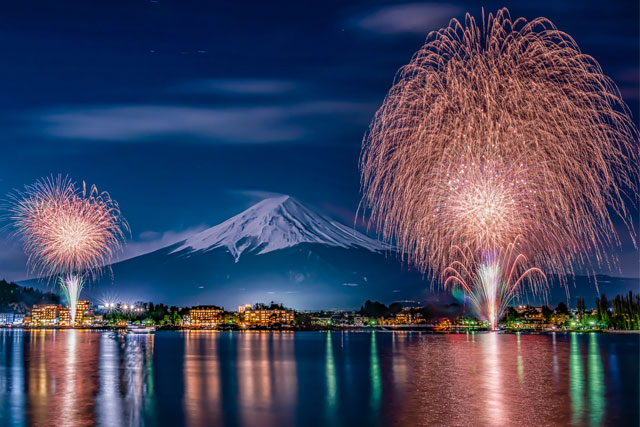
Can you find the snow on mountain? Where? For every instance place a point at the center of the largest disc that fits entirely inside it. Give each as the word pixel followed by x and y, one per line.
pixel 273 224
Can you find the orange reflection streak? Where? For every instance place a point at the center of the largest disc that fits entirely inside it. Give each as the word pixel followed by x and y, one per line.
pixel 267 377
pixel 62 380
pixel 493 381
pixel 202 398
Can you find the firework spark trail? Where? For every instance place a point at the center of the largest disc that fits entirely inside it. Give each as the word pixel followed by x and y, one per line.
pixel 72 285
pixel 493 278
pixel 498 132
pixel 66 231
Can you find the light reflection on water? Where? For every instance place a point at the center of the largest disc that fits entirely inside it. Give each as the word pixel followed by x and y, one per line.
pixel 198 378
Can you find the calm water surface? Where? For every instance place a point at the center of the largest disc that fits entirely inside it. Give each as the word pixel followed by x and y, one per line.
pixel 317 378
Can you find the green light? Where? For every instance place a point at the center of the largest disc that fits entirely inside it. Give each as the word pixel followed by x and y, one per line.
pixel 330 372
pixel 576 384
pixel 596 382
pixel 376 380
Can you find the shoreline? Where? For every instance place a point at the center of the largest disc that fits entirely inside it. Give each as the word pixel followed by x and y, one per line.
pixel 386 328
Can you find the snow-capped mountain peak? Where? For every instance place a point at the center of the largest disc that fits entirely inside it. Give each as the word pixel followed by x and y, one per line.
pixel 276 223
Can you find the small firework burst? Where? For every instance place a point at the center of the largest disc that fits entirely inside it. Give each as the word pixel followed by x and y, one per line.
pixel 67 231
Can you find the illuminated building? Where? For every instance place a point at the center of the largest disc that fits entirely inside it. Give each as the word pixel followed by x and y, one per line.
pixel 359 320
pixel 11 318
pixel 559 319
pixel 404 317
pixel 88 318
pixel 6 318
pixel 64 316
pixel 205 315
pixel 534 319
pixel 81 311
pixel 243 308
pixel 45 315
pixel 444 324
pixel 263 317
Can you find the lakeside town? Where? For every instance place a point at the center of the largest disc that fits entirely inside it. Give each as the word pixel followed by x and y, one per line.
pixel 621 313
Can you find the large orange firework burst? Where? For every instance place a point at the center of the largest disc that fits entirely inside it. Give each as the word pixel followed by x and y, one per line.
pixel 64 229
pixel 497 133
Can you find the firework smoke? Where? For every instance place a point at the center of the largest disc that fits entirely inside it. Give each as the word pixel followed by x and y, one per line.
pixel 66 231
pixel 495 134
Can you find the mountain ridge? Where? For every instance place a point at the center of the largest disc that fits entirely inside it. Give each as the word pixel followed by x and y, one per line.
pixel 276 223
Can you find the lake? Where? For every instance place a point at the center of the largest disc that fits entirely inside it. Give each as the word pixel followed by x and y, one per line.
pixel 194 378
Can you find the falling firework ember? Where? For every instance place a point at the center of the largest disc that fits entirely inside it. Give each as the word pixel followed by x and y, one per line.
pixel 66 231
pixel 496 134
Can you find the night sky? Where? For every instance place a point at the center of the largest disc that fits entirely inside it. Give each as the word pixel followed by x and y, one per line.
pixel 190 111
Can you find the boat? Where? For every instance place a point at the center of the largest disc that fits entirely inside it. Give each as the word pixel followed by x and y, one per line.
pixel 136 329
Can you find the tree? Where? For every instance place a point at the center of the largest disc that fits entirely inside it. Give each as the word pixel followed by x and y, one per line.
pixel 374 309
pixel 302 320
pixel 512 315
pixel 580 308
pixel 546 312
pixel 176 319
pixel 395 308
pixel 561 308
pixel 602 305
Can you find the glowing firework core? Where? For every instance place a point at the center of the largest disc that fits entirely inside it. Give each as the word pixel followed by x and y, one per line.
pixel 489 276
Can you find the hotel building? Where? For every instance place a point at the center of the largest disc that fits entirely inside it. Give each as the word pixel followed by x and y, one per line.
pixel 45 314
pixel 262 317
pixel 205 316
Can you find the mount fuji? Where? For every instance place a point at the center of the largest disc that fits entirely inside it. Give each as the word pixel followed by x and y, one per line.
pixel 277 250
pixel 274 224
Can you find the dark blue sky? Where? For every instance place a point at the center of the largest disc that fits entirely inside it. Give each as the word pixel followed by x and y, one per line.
pixel 187 111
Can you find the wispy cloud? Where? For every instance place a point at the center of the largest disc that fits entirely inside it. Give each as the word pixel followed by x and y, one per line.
pixel 240 86
pixel 255 124
pixel 351 285
pixel 149 241
pixel 409 18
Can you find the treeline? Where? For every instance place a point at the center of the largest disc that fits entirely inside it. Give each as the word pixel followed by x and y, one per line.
pixel 150 313
pixel 19 299
pixel 623 312
pixel 375 309
pixel 512 315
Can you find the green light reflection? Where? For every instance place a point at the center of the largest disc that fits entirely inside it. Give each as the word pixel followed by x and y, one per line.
pixel 376 381
pixel 596 382
pixel 576 380
pixel 330 372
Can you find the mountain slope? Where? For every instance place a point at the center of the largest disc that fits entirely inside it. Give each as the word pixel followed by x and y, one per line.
pixel 273 224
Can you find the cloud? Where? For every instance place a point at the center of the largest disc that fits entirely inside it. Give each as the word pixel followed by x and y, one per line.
pixel 252 124
pixel 149 241
pixel 353 285
pixel 410 18
pixel 255 195
pixel 239 86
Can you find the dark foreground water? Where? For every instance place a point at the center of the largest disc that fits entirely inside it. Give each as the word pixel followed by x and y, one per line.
pixel 317 378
